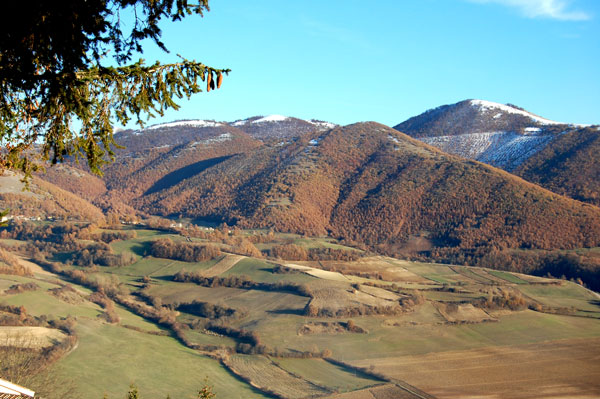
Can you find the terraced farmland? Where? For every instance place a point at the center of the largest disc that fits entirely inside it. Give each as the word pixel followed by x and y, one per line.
pixel 388 325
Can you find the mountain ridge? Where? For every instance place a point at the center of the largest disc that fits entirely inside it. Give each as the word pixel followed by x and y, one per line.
pixel 367 182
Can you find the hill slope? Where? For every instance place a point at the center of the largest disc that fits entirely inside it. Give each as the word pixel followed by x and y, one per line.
pixel 163 155
pixel 43 199
pixel 568 165
pixel 368 183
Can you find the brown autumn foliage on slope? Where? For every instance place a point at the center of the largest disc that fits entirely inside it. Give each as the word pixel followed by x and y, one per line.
pixel 155 168
pixel 569 165
pixel 44 199
pixel 153 159
pixel 369 183
pixel 75 180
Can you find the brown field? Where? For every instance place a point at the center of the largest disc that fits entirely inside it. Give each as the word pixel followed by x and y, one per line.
pixel 323 274
pixel 265 375
pixel 29 337
pixel 379 292
pixel 387 391
pixel 552 369
pixel 223 265
pixel 389 269
pixel 342 298
pixel 466 313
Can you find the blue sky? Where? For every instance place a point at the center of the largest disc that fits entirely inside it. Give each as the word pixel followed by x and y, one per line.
pixel 388 60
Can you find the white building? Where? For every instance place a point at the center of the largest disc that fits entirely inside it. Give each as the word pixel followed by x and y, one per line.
pixel 9 390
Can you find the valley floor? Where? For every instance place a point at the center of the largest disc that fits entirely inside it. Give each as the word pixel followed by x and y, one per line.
pixel 259 327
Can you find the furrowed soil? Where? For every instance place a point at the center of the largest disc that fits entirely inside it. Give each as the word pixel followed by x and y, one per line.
pixel 553 369
pixel 262 373
pixel 223 265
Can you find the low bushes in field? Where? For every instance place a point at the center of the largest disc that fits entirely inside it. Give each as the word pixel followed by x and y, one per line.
pixel 243 282
pixel 101 254
pixel 503 299
pixel 187 252
pixel 9 264
pixel 18 288
pixel 352 311
pixel 110 236
pixel 110 313
pixel 209 310
pixel 298 253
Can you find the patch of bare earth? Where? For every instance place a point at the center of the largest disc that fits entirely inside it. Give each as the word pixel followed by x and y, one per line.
pixel 553 369
pixel 464 313
pixel 29 337
pixel 322 274
pixel 387 268
pixel 334 299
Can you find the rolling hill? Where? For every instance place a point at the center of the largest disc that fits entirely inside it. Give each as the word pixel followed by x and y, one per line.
pixel 368 183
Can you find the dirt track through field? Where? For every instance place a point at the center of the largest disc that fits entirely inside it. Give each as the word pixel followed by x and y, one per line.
pixel 553 369
pixel 223 265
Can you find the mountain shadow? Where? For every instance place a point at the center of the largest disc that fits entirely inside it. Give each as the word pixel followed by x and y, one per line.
pixel 178 175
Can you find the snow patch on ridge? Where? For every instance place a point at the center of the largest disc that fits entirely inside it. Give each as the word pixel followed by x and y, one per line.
pixel 322 124
pixel 220 138
pixel 533 129
pixel 192 123
pixel 489 105
pixel 241 122
pixel 502 149
pixel 271 118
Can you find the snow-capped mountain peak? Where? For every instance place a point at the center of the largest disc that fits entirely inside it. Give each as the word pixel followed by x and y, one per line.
pixel 485 106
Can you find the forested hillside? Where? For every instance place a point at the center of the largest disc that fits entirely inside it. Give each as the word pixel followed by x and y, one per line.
pixel 569 165
pixel 368 183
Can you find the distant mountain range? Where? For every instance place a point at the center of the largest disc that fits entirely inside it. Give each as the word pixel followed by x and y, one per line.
pixel 366 183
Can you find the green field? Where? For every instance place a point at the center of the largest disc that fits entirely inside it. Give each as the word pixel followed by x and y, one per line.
pixel 159 366
pixel 136 350
pixel 326 374
pixel 511 278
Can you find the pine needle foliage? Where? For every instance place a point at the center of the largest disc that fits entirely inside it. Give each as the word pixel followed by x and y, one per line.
pixel 57 90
